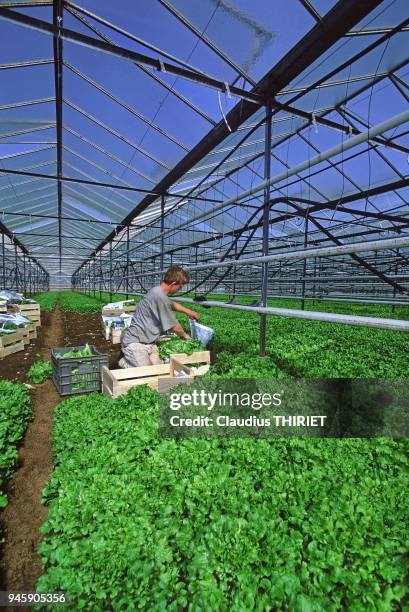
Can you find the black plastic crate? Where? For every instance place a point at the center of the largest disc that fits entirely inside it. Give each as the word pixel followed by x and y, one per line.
pixel 77 374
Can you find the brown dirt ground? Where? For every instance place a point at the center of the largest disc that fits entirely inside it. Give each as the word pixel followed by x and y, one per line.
pixel 20 565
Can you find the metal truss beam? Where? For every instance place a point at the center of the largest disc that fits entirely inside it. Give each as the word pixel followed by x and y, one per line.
pixel 207 41
pixel 70 5
pixel 26 64
pixel 313 118
pixel 126 106
pixel 147 71
pixel 121 52
pixel 373 31
pixel 332 251
pixel 98 183
pixel 306 165
pixel 58 50
pixel 311 10
pixel 315 207
pixel 320 83
pixel 21 246
pixel 339 20
pixel 360 260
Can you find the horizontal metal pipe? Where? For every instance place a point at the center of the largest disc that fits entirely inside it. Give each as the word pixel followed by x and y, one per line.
pixel 343 278
pixel 353 300
pixel 328 317
pixel 365 136
pixel 317 298
pixel 357 247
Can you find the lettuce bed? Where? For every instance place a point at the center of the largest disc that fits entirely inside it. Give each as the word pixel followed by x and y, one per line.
pixel 135 521
pixel 74 301
pixel 309 349
pixel 47 300
pixel 138 522
pixel 15 413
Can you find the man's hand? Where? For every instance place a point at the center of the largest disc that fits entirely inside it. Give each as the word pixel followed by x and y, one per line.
pixel 193 315
pixel 178 329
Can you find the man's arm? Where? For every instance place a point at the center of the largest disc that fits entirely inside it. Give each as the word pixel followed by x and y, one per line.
pixel 190 313
pixel 178 329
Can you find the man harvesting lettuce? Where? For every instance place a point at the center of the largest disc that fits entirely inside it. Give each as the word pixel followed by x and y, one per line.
pixel 154 316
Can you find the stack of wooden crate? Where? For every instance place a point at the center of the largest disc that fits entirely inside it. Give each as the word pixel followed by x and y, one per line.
pixel 115 334
pixel 16 341
pixel 32 311
pixel 12 343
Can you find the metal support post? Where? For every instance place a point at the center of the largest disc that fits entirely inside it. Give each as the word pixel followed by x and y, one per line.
pixel 315 278
pixel 16 270
pixel 196 273
pixel 29 278
pixel 110 271
pixel 100 275
pixel 24 273
pixel 396 272
pixel 162 238
pixel 266 219
pixel 304 268
pixel 127 263
pixel 94 276
pixel 235 271
pixel 4 260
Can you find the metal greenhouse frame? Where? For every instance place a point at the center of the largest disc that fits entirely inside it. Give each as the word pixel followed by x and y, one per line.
pixel 267 165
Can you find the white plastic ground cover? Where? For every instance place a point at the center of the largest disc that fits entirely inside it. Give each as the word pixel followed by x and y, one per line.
pixel 17 319
pixel 10 296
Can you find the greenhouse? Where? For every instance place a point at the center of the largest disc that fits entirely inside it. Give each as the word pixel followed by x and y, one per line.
pixel 202 200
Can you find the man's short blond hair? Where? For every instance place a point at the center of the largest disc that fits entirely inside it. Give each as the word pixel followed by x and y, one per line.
pixel 176 275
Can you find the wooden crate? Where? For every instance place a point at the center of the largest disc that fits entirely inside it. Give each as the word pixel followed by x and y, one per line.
pixel 202 357
pixel 112 312
pixel 32 311
pixel 26 335
pixel 12 343
pixel 118 382
pixel 32 331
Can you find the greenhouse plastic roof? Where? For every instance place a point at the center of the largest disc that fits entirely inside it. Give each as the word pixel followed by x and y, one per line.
pixel 128 101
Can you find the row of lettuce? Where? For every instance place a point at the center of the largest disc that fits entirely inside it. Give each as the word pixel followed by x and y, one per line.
pixel 136 521
pixel 71 301
pixel 15 413
pixel 139 522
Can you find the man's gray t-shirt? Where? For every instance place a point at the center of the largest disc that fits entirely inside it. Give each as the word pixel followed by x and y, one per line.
pixel 153 316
